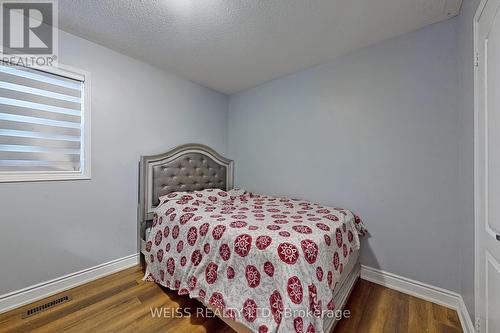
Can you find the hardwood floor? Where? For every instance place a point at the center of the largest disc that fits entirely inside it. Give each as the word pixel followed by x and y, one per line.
pixel 121 303
pixel 378 309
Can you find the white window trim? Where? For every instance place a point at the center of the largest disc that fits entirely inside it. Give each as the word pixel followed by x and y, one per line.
pixel 85 172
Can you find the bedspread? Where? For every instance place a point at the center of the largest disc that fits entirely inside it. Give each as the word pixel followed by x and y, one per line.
pixel 269 263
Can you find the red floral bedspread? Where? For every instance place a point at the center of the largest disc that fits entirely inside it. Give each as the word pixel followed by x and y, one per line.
pixel 269 263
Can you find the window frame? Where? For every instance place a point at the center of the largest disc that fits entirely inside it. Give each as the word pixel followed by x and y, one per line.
pixel 85 154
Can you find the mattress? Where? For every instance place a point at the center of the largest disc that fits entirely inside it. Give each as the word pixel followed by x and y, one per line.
pixel 271 264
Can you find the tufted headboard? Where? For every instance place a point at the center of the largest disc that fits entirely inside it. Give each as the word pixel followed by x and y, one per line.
pixel 188 167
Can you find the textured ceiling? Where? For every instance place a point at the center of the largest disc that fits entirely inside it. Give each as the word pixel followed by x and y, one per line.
pixel 232 45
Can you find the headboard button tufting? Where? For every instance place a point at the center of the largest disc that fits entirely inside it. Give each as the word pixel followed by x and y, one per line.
pixel 187 168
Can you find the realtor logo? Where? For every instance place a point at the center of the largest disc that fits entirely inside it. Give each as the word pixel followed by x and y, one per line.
pixel 29 28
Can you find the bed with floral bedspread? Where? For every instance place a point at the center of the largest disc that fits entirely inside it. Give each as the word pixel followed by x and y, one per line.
pixel 269 263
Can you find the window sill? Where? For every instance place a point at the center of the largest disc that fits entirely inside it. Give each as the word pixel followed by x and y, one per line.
pixel 42 177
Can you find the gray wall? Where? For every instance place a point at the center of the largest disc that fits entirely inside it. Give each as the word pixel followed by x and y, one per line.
pixel 466 142
pixel 376 131
pixel 50 229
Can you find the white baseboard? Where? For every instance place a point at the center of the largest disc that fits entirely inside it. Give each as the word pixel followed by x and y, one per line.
pixel 465 319
pixel 421 290
pixel 45 289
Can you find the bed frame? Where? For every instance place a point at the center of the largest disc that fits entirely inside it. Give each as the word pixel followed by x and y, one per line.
pixel 190 167
pixel 193 167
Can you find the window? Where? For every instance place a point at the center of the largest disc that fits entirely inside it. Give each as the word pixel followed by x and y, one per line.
pixel 44 124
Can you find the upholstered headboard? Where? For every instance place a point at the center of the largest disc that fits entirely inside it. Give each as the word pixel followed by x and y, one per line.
pixel 188 167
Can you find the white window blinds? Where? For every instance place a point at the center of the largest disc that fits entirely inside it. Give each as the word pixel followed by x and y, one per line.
pixel 41 121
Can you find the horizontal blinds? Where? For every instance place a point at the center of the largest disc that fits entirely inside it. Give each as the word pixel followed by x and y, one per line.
pixel 40 121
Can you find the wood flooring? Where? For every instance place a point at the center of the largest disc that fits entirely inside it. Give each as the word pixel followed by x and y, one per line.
pixel 122 302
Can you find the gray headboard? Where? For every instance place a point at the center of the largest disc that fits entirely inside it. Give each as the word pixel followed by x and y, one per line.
pixel 188 167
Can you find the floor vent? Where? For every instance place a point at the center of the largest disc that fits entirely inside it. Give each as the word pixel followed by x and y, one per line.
pixel 46 306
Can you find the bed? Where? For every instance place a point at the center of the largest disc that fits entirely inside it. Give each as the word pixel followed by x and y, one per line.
pixel 260 263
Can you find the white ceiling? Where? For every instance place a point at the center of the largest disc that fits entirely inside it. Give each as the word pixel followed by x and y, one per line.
pixel 232 45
